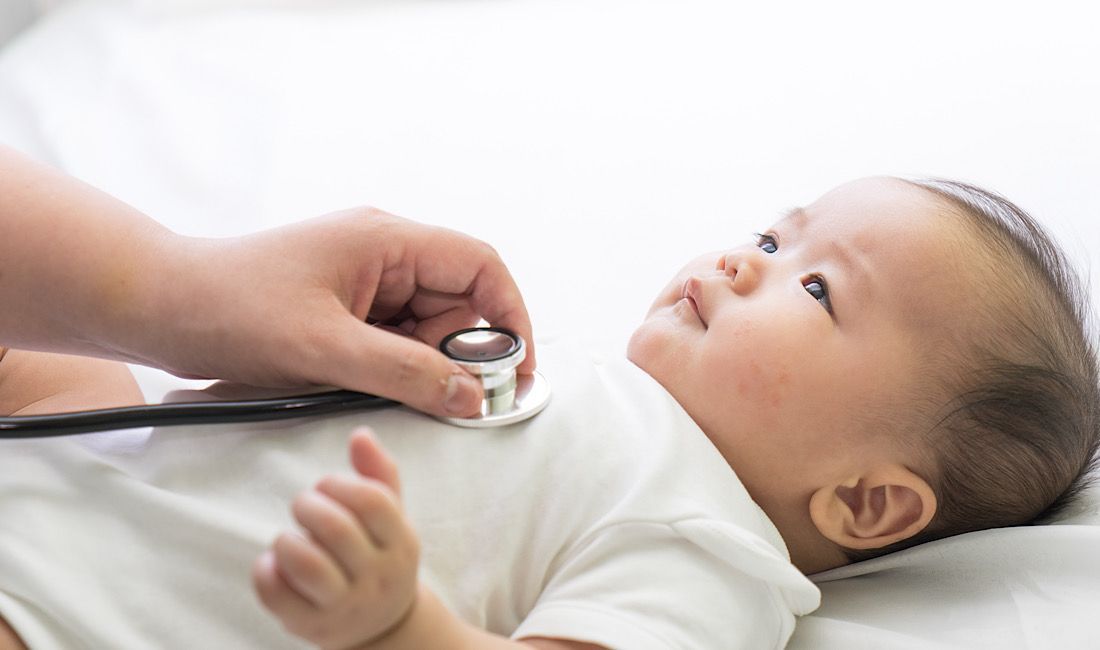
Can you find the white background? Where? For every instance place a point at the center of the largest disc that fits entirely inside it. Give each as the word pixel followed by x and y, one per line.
pixel 597 145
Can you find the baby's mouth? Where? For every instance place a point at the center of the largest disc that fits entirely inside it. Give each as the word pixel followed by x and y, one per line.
pixel 689 293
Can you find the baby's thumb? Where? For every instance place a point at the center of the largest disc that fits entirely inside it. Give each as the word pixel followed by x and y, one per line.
pixel 371 460
pixel 404 369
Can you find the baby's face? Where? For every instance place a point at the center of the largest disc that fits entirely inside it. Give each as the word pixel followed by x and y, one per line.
pixel 779 346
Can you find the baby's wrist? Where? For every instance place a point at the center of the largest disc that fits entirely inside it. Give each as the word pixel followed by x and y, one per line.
pixel 427 624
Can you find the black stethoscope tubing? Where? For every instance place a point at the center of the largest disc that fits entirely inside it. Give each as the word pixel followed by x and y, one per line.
pixel 257 410
pixel 154 415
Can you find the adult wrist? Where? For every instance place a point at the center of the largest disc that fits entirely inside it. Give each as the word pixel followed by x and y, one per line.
pixel 148 300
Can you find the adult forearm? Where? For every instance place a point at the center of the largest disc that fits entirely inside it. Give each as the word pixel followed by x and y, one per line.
pixel 83 273
pixel 77 267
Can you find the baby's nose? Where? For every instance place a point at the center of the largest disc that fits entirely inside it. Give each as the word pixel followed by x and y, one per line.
pixel 743 270
pixel 727 263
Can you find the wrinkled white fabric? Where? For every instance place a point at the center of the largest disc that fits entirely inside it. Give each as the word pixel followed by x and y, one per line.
pixel 609 518
pixel 1003 588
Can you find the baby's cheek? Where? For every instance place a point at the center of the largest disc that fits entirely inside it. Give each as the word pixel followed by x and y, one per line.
pixel 767 385
pixel 749 370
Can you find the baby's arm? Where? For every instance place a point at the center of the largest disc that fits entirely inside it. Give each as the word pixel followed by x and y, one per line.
pixel 352 583
pixel 34 383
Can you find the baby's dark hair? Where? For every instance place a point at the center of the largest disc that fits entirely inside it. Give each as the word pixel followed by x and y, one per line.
pixel 1015 442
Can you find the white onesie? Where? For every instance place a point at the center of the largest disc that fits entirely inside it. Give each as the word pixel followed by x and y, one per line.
pixel 608 518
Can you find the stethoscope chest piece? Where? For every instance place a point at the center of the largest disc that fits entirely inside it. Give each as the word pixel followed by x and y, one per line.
pixel 492 354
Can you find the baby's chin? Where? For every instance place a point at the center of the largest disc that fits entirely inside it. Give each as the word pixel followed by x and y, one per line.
pixel 649 344
pixel 637 345
pixel 656 336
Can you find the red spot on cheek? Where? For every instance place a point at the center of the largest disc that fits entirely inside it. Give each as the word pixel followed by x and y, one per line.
pixel 779 388
pixel 764 385
pixel 748 381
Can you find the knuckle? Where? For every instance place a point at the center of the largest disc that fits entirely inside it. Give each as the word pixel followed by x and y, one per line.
pixel 411 364
pixel 372 212
pixel 281 546
pixel 374 499
pixel 328 483
pixel 303 564
pixel 338 531
pixel 333 529
pixel 488 252
pixel 300 506
pixel 362 498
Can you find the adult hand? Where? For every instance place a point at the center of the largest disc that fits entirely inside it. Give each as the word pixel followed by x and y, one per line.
pixel 320 302
pixel 357 299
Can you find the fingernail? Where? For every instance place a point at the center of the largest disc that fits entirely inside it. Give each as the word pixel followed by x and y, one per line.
pixel 462 394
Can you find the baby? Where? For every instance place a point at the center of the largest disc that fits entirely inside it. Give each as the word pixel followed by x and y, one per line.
pixel 898 362
pixel 895 363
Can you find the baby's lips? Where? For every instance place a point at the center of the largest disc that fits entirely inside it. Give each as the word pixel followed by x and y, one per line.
pixel 692 292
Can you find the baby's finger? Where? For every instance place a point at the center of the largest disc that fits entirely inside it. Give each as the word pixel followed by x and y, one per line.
pixel 370 459
pixel 309 570
pixel 336 529
pixel 276 595
pixel 374 505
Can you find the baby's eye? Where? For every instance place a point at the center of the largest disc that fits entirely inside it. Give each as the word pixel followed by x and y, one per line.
pixel 767 243
pixel 815 286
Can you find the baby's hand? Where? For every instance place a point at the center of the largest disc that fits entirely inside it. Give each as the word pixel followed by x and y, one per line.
pixel 352 578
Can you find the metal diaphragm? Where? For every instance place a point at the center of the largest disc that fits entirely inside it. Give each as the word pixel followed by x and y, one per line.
pixel 492 355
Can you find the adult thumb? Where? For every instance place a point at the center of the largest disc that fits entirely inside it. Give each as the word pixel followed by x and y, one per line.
pixel 383 363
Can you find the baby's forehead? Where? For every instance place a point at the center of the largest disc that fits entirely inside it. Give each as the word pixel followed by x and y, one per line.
pixel 909 244
pixel 877 205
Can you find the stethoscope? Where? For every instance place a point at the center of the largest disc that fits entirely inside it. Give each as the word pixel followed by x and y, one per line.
pixel 491 354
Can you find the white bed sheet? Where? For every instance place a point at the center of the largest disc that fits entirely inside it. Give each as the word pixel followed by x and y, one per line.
pixel 599 145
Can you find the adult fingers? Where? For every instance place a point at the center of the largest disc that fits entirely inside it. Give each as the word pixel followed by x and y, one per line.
pixel 495 296
pixel 372 360
pixel 432 330
pixel 450 262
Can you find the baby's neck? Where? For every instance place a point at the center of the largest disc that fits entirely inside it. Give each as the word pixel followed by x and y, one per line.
pixel 810 552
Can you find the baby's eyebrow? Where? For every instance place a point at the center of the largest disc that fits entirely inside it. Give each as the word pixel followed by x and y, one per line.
pixel 797 216
pixel 857 268
pixel 854 263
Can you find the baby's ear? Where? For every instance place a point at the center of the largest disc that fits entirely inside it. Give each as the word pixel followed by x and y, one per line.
pixel 882 506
